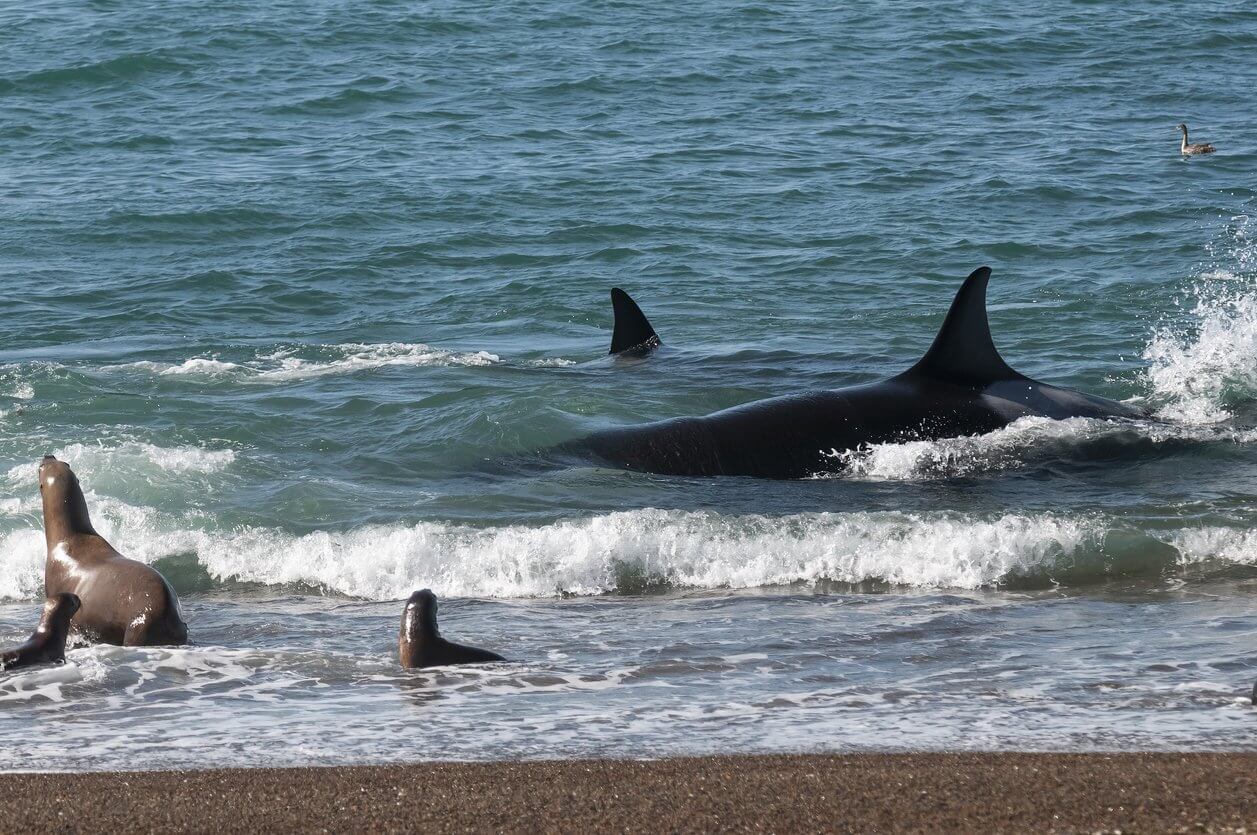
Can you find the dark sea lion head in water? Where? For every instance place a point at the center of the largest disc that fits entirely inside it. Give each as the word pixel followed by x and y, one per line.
pixel 420 643
pixel 421 611
pixel 123 601
pixel 58 612
pixel 47 644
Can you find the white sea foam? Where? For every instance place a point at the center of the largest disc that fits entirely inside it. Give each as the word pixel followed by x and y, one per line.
pixel 46 682
pixel 22 564
pixel 1233 545
pixel 202 366
pixel 179 459
pixel 1198 369
pixel 305 362
pixel 955 457
pixel 128 456
pixel 626 551
pixel 631 550
pixel 358 356
pixel 1013 446
pixel 595 555
pixel 23 391
pixel 1197 372
pixel 197 365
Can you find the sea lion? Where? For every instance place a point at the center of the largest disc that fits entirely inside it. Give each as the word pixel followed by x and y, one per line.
pixel 123 601
pixel 420 643
pixel 47 644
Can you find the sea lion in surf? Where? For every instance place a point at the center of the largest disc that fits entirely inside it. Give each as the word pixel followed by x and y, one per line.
pixel 962 386
pixel 123 601
pixel 420 643
pixel 47 643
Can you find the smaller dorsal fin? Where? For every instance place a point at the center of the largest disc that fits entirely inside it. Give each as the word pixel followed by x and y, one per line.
pixel 963 351
pixel 632 330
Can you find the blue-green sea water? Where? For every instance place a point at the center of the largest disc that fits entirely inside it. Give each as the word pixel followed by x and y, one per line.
pixel 299 289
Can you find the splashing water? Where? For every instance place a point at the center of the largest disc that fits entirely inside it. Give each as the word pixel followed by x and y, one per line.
pixel 1200 370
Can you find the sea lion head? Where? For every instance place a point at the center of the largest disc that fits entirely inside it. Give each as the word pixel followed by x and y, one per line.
pixel 65 509
pixel 419 617
pixel 60 608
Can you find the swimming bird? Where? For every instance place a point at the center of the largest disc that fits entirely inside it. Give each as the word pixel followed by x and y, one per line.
pixel 1192 148
pixel 420 643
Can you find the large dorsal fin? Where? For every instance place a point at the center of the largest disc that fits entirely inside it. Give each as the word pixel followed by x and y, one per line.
pixel 632 330
pixel 963 351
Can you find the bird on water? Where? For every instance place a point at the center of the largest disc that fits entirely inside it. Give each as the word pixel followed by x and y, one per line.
pixel 1190 148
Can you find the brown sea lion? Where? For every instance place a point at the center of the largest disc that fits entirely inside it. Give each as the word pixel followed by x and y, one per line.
pixel 47 644
pixel 421 644
pixel 123 601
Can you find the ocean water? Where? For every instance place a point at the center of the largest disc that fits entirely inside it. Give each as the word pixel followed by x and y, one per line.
pixel 299 289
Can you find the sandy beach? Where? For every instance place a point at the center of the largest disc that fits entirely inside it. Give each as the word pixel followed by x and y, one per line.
pixel 858 793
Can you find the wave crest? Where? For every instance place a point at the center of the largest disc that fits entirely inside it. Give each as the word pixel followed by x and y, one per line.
pixel 642 550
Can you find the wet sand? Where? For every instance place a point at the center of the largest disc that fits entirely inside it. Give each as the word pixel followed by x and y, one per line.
pixel 857 793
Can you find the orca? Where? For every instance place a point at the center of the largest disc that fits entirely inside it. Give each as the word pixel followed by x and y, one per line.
pixel 962 386
pixel 632 334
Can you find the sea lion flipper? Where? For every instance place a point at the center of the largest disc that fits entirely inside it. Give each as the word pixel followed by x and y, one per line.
pixel 47 644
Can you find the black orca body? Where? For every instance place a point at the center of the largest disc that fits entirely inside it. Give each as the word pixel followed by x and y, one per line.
pixel 960 387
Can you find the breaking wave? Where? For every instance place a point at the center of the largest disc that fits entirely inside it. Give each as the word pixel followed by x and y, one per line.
pixel 642 550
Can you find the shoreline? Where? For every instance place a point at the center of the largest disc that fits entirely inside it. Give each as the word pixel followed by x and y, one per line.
pixel 932 792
